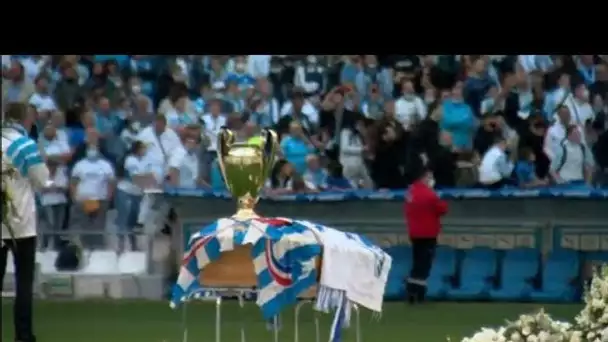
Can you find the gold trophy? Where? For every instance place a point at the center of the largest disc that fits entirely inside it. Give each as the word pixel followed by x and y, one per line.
pixel 245 167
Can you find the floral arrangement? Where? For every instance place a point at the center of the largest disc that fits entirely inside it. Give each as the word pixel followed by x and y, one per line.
pixel 591 324
pixel 8 206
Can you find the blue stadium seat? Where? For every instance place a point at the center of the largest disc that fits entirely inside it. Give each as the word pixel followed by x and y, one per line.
pixel 519 267
pixel 478 269
pixel 560 271
pixel 444 269
pixel 402 264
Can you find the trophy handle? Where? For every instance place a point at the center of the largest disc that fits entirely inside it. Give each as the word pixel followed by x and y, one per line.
pixel 225 139
pixel 270 149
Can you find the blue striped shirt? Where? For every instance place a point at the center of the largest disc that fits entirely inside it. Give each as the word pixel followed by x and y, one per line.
pixel 23 153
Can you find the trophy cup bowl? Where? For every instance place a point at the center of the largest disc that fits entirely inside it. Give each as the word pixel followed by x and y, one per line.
pixel 245 168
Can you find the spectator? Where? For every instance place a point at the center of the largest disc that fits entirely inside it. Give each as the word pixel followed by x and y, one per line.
pixel 333 117
pixel 492 103
pixel 134 176
pixel 217 71
pixel 601 80
pixel 558 96
pixel 91 188
pixel 352 148
pixel 315 175
pixel 137 95
pixel 189 168
pixel 239 73
pixel 601 156
pixel 477 84
pixel 77 135
pixel 350 69
pixel 557 132
pixel 496 167
pixel 53 200
pixel 296 146
pixel 54 145
pixel 164 150
pixel 458 119
pixel 205 94
pixel 409 108
pixel 335 179
pixel 525 170
pixel 585 69
pixel 16 87
pixel 178 118
pixel 281 179
pixel 581 112
pixel 387 166
pixel 67 91
pixel 100 85
pixel 34 65
pixel 266 110
pixel 42 98
pixel 372 73
pixel 298 114
pixel 258 66
pixel 298 105
pixel 372 105
pixel 234 96
pixel 572 163
pixel 217 179
pixel 310 77
pixel 212 123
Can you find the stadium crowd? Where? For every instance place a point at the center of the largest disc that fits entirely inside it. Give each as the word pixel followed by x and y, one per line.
pixel 111 126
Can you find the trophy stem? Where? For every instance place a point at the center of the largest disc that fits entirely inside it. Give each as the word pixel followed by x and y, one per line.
pixel 245 205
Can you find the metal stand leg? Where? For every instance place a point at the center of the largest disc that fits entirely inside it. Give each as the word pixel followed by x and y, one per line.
pixel 296 325
pixel 185 322
pixel 275 327
pixel 357 323
pixel 241 300
pixel 218 319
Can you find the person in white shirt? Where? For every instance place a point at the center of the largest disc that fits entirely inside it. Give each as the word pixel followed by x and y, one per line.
pixel 212 123
pixel 164 153
pixel 496 167
pixel 352 147
pixel 92 186
pixel 164 150
pixel 189 171
pixel 34 64
pixel 409 108
pixel 21 154
pixel 134 176
pixel 53 201
pixel 573 161
pixel 581 112
pixel 42 99
pixel 54 144
pixel 308 108
pixel 557 132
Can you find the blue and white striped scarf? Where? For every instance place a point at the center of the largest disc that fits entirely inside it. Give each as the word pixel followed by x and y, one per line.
pixel 284 268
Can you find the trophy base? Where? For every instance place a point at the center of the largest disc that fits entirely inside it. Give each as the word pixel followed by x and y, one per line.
pixel 245 214
pixel 234 269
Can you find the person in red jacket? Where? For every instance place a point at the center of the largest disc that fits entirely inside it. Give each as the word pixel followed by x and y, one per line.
pixel 423 210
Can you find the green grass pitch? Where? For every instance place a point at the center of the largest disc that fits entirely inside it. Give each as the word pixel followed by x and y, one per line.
pixel 147 321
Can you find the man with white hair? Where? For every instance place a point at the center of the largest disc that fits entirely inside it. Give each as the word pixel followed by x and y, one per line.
pixel 21 153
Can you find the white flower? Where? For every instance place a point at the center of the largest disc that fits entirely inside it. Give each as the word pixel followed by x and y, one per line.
pixel 598 303
pixel 576 336
pixel 532 338
pixel 543 336
pixel 526 330
pixel 515 337
pixel 590 335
